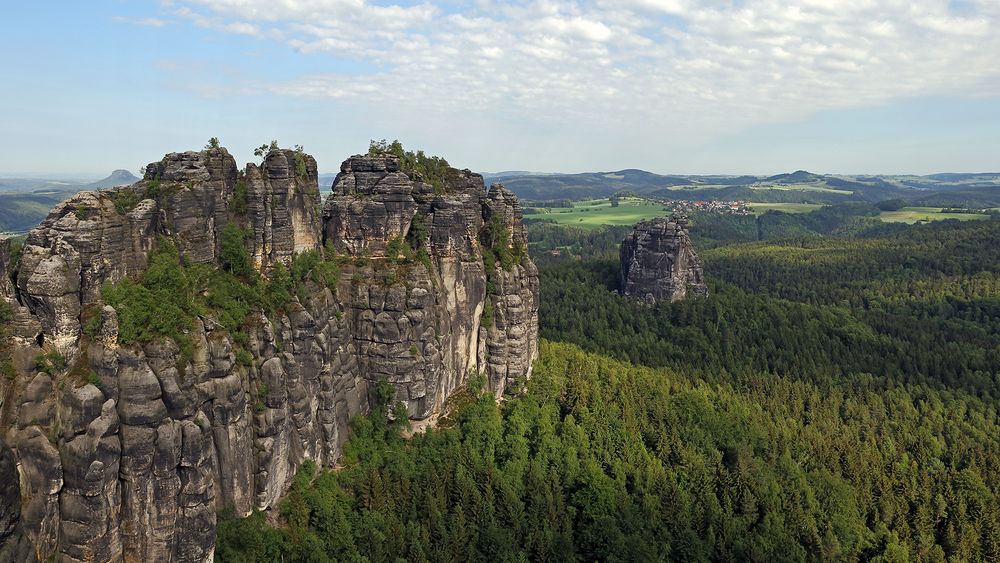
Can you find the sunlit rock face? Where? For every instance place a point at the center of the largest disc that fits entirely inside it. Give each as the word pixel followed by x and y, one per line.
pixel 127 452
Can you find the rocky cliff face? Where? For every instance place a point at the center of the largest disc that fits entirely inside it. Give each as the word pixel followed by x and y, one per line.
pixel 113 451
pixel 658 262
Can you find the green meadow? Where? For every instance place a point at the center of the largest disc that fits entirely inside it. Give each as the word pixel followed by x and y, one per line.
pixel 915 214
pixel 593 213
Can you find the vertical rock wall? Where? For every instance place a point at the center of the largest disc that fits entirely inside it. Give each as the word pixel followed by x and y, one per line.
pixel 118 452
pixel 283 205
pixel 511 342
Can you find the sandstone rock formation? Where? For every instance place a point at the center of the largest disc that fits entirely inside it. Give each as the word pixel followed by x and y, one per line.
pixel 658 262
pixel 112 451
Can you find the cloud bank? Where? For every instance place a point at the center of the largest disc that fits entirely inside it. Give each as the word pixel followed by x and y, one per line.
pixel 660 68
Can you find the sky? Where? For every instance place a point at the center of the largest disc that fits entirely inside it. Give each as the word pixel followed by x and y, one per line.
pixel 670 86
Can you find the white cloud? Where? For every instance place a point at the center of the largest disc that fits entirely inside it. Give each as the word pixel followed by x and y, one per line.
pixel 577 27
pixel 676 7
pixel 660 66
pixel 243 28
pixel 147 22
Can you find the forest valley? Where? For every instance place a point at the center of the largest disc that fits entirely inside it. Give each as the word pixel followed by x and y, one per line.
pixel 833 398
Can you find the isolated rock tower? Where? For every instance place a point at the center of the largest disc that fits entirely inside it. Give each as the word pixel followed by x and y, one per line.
pixel 658 262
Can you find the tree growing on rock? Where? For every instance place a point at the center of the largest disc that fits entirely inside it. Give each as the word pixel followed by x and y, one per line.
pixel 264 149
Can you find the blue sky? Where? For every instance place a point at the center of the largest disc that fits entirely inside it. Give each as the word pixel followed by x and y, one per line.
pixel 671 86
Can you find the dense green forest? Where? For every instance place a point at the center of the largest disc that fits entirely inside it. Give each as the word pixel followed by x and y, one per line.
pixel 917 306
pixel 607 461
pixel 834 398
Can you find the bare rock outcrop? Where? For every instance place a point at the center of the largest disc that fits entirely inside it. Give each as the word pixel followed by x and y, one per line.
pixel 512 338
pixel 426 334
pixel 112 451
pixel 658 262
pixel 282 202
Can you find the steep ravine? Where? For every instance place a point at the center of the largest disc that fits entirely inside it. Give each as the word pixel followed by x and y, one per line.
pixel 112 451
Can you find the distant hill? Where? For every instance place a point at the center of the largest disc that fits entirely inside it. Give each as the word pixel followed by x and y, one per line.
pixel 27 201
pixel 20 212
pixel 797 177
pixel 973 198
pixel 965 177
pixel 588 184
pixel 326 181
pixel 24 202
pixel 25 185
pixel 801 186
pixel 117 178
pixel 491 177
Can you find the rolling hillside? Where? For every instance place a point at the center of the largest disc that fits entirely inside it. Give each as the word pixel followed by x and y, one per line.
pixel 20 212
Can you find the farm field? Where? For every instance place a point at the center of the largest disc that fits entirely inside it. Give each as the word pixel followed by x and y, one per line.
pixel 915 214
pixel 593 213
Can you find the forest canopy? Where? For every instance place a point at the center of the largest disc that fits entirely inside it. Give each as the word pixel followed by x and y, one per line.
pixel 834 398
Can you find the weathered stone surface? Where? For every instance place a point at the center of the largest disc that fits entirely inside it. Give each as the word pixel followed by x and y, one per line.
pixel 658 262
pixel 283 206
pixel 512 341
pixel 6 287
pixel 423 331
pixel 95 237
pixel 41 481
pixel 13 546
pixel 128 452
pixel 372 202
pixel 193 191
pixel 90 499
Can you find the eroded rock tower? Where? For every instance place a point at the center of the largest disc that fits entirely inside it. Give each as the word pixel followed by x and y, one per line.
pixel 125 451
pixel 658 262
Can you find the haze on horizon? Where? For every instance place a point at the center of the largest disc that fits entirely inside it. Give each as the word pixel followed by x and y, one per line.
pixel 669 86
